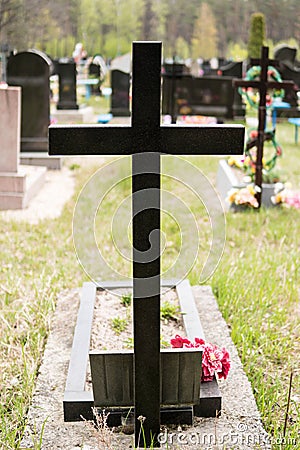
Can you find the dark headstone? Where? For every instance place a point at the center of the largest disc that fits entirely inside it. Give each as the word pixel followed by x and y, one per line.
pixel 210 96
pixel 284 53
pixel 289 69
pixel 173 71
pixel 66 71
pixel 94 70
pixel 31 70
pixel 120 84
pixel 235 70
pixel 232 69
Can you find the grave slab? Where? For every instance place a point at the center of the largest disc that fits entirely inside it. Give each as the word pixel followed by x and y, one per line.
pixel 239 423
pixel 41 159
pixel 18 189
pixel 78 401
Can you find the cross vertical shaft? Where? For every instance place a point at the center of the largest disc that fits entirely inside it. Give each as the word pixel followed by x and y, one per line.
pixel 262 113
pixel 146 244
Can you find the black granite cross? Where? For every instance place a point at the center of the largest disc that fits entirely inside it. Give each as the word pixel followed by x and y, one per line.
pixel 262 85
pixel 146 140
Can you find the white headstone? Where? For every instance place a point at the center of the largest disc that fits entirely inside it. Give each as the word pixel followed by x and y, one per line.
pixel 10 123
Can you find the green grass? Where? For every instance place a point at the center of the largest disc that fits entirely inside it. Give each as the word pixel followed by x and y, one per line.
pixel 256 284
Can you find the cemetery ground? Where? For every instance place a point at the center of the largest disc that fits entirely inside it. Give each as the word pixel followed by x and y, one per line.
pixel 256 285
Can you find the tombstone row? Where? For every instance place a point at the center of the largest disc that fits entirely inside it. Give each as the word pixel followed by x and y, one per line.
pixel 182 92
pixel 32 70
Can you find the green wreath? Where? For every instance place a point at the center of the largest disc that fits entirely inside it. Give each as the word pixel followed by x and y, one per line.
pixel 268 164
pixel 253 74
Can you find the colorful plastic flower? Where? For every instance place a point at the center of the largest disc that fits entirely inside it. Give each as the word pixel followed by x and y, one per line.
pixel 285 196
pixel 215 360
pixel 243 196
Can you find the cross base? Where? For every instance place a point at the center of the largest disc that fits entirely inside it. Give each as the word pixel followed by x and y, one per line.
pixel 168 416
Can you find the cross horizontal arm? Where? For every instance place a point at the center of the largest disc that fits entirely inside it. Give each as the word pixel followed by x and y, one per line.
pixel 202 139
pixel 90 140
pixel 257 84
pixel 270 62
pixel 125 140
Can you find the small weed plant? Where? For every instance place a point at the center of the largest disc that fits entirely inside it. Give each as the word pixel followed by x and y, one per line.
pixel 119 324
pixel 169 311
pixel 126 299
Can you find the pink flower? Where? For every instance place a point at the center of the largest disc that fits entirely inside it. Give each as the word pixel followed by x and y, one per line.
pixel 293 200
pixel 199 342
pixel 225 364
pixel 178 341
pixel 215 360
pixel 211 362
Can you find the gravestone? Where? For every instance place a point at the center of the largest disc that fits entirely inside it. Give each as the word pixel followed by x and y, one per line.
pixel 97 69
pixel 146 140
pixel 289 69
pixel 66 70
pixel 31 70
pixel 207 95
pixel 285 53
pixel 18 184
pixel 120 85
pixel 172 72
pixel 95 73
pixel 235 70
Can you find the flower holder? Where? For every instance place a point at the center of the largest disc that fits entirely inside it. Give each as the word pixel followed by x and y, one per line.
pixel 112 372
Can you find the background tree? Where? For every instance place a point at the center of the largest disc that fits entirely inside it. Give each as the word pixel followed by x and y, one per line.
pixel 149 21
pixel 108 26
pixel 9 13
pixel 205 36
pixel 257 35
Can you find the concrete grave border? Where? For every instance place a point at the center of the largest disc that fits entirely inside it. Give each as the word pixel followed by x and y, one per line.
pixel 78 402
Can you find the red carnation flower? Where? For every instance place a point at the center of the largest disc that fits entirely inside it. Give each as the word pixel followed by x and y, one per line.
pixel 214 359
